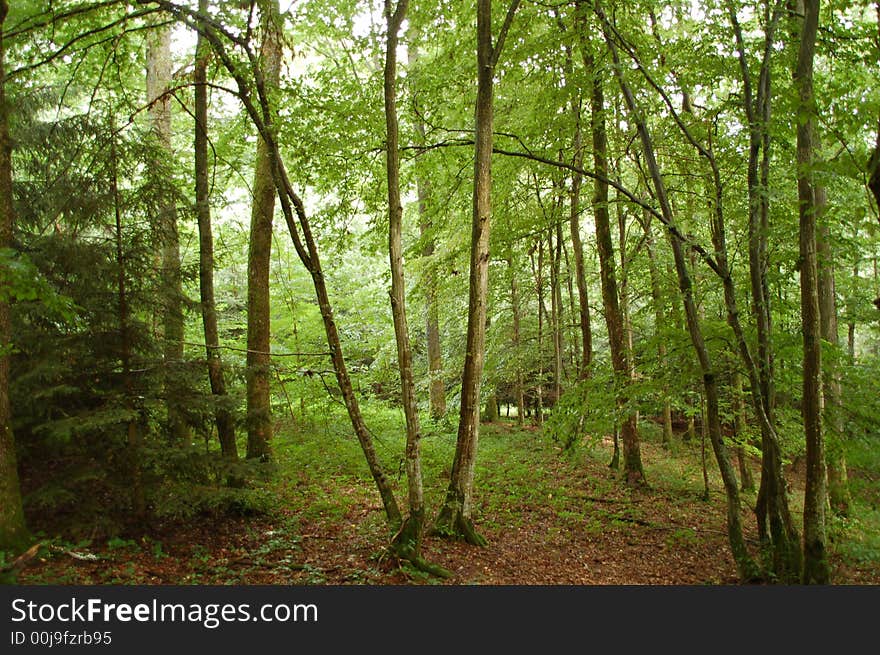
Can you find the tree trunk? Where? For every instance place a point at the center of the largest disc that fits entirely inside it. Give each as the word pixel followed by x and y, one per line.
pixel 259 364
pixel 833 418
pixel 159 100
pixel 515 310
pixel 455 516
pixel 437 390
pixel 757 107
pixel 13 532
pixel 222 415
pixel 407 543
pixel 614 320
pixel 659 320
pixel 537 271
pixel 555 251
pixel 816 569
pixel 578 250
pixel 747 481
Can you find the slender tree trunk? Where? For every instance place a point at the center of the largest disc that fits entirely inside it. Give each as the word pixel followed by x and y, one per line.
pixel 578 250
pixel 573 358
pixel 13 532
pixel 747 481
pixel 159 100
pixel 407 543
pixel 659 320
pixel 838 488
pixel 757 106
pixel 515 309
pixel 259 364
pixel 222 415
pixel 555 251
pixel 537 271
pixel 437 390
pixel 455 516
pixel 614 320
pixel 816 569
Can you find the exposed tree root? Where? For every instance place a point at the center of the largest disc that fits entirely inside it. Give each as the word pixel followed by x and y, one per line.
pixel 452 524
pixel 406 546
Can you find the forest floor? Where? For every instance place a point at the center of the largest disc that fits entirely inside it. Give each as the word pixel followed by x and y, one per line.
pixel 550 518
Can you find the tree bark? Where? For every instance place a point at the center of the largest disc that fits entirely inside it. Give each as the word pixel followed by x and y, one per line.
pixel 816 569
pixel 13 532
pixel 159 100
pixel 222 415
pixel 456 514
pixel 259 364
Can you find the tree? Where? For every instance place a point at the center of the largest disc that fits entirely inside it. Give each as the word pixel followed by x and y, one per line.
pixel 614 318
pixel 407 543
pixel 13 532
pixel 816 569
pixel 259 361
pixel 222 415
pixel 159 100
pixel 455 514
pixel 437 390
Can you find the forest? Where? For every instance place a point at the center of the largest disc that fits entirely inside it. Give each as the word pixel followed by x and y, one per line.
pixel 378 292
